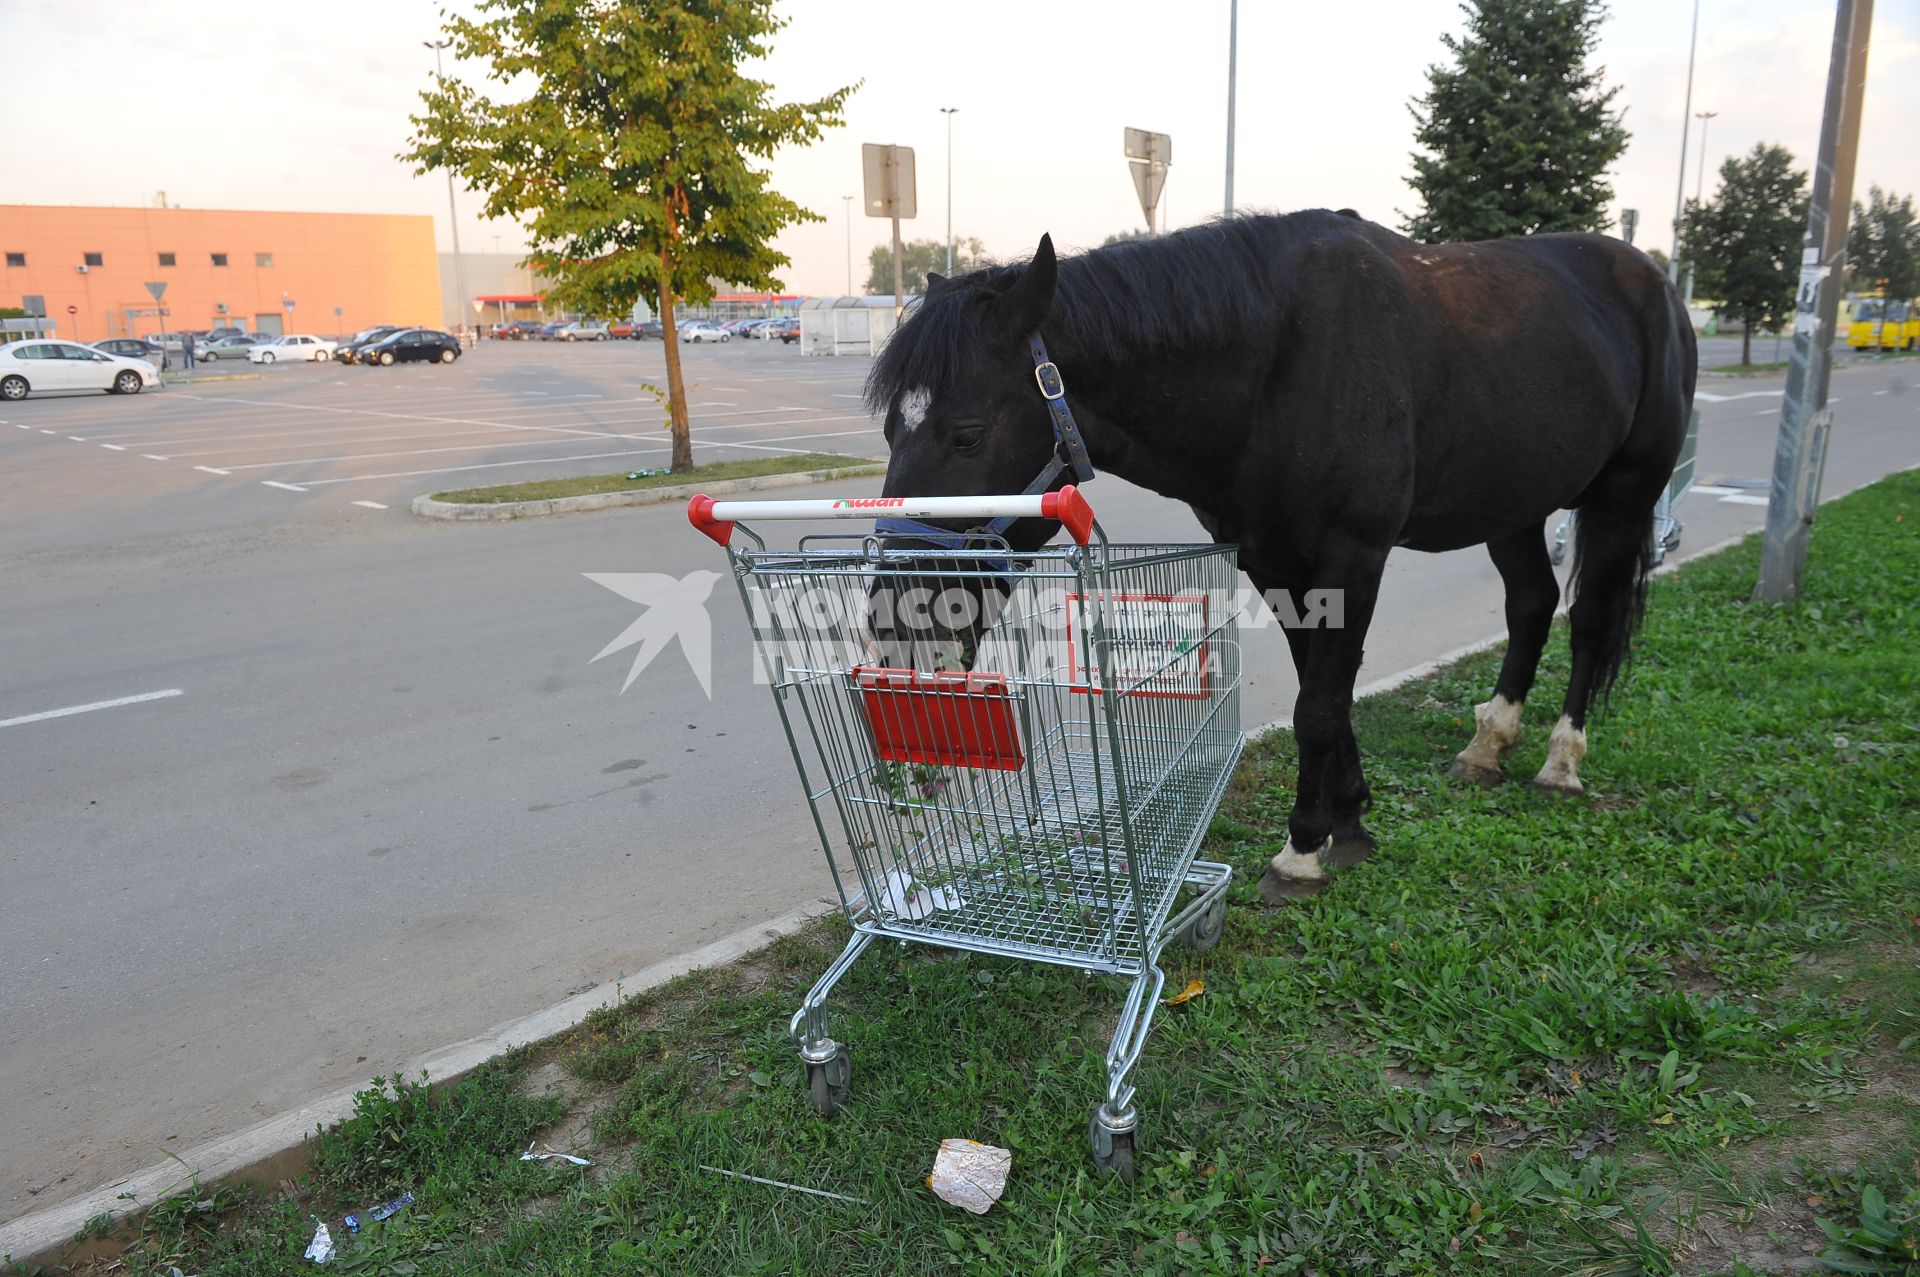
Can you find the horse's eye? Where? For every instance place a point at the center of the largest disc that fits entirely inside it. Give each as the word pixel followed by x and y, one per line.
pixel 967 438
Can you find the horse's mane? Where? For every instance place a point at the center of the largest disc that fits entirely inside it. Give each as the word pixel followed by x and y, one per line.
pixel 1198 287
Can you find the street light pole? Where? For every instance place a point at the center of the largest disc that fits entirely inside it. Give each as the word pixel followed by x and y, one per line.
pixel 1686 118
pixel 1233 56
pixel 848 199
pixel 453 215
pixel 949 112
pixel 1700 184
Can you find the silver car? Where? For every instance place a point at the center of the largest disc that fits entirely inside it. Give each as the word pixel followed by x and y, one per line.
pixel 228 348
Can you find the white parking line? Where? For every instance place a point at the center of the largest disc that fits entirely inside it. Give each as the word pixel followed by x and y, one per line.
pixel 45 431
pixel 154 457
pixel 44 715
pixel 76 438
pixel 371 505
pixel 113 447
pixel 211 470
pixel 290 487
pixel 1744 499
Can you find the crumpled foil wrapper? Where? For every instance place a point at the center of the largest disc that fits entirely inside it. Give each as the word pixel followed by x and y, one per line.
pixel 969 1174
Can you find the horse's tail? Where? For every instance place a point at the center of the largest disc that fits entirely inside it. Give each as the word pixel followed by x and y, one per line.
pixel 1614 547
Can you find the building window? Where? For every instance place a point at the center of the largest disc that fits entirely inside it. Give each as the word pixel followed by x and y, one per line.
pixel 263 259
pixel 16 259
pixel 166 259
pixel 94 259
pixel 219 259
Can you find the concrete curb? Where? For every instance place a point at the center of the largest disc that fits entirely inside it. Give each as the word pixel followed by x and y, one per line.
pixel 201 379
pixel 275 1148
pixel 427 508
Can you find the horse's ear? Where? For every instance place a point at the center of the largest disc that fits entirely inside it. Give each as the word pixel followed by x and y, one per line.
pixel 1025 306
pixel 935 282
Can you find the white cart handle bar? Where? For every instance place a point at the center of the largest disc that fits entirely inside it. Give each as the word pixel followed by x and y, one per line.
pixel 716 518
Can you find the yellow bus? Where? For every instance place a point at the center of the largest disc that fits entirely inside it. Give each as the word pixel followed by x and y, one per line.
pixel 1879 324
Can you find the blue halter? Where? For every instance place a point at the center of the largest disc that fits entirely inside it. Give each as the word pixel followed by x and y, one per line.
pixel 1069 454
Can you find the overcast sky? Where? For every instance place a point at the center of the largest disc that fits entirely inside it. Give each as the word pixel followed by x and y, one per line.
pixel 302 104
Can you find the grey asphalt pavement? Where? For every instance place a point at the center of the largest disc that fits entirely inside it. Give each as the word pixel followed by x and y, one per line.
pixel 395 801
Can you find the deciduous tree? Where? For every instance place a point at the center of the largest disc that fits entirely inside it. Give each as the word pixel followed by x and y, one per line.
pixel 917 258
pixel 1745 241
pixel 627 140
pixel 1517 132
pixel 1883 245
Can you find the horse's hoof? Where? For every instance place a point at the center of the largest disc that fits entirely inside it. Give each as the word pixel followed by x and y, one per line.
pixel 1348 849
pixel 1557 789
pixel 1276 890
pixel 1478 773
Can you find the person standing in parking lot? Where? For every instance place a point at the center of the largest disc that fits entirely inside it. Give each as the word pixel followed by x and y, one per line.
pixel 186 351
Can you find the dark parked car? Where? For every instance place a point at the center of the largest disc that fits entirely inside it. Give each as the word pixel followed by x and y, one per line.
pixel 518 330
pixel 135 348
pixel 413 345
pixel 349 351
pixel 651 329
pixel 787 330
pixel 551 330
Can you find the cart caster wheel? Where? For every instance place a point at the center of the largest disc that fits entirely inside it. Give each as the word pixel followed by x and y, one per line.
pixel 1205 931
pixel 1112 1150
pixel 829 1081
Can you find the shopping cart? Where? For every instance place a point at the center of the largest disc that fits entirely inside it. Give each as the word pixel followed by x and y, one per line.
pixel 1030 772
pixel 1666 527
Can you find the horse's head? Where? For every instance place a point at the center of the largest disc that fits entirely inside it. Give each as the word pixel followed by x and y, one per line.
pixel 965 416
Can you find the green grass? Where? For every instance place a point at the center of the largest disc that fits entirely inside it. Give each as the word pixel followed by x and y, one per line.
pixel 1773 366
pixel 544 489
pixel 1671 1027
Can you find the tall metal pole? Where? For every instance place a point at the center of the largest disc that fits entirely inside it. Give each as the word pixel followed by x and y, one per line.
pixel 453 214
pixel 1686 118
pixel 1700 183
pixel 949 111
pixel 1800 453
pixel 893 204
pixel 848 200
pixel 1233 58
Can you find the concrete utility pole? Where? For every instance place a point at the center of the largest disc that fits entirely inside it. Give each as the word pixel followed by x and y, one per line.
pixel 453 214
pixel 1700 183
pixel 949 112
pixel 1233 56
pixel 1686 118
pixel 848 199
pixel 1800 453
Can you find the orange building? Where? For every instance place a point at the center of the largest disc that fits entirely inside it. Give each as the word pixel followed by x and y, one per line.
pixel 264 272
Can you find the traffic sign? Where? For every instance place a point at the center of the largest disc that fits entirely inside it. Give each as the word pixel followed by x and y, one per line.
pixel 73 310
pixel 287 302
pixel 888 171
pixel 1148 155
pixel 158 290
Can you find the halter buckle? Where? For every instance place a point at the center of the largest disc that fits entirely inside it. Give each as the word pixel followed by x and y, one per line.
pixel 1048 376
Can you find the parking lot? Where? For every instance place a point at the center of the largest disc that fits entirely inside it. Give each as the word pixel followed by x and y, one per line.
pixel 303 434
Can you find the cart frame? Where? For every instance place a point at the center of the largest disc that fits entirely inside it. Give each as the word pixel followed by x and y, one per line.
pixel 1044 800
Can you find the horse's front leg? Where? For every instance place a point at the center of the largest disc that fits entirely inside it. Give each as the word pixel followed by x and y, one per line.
pixel 1325 827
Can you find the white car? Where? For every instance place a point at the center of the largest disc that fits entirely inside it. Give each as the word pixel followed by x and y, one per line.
pixel 294 347
pixel 701 330
pixel 585 330
pixel 36 367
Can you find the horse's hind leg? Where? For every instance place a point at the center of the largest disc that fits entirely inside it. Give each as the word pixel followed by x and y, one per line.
pixel 1612 558
pixel 1532 594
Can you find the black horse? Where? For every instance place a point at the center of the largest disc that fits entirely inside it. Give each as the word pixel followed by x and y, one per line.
pixel 1319 390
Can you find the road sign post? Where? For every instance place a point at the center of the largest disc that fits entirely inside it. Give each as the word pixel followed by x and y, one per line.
pixel 158 289
pixel 888 176
pixel 1149 156
pixel 1800 453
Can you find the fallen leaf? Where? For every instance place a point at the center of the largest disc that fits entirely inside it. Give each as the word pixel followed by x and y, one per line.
pixel 1193 990
pixel 1665 1119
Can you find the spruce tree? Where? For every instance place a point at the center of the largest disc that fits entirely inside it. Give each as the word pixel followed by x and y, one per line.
pixel 1745 241
pixel 1518 131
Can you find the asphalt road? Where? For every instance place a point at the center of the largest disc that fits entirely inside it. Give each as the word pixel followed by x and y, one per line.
pixel 394 802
